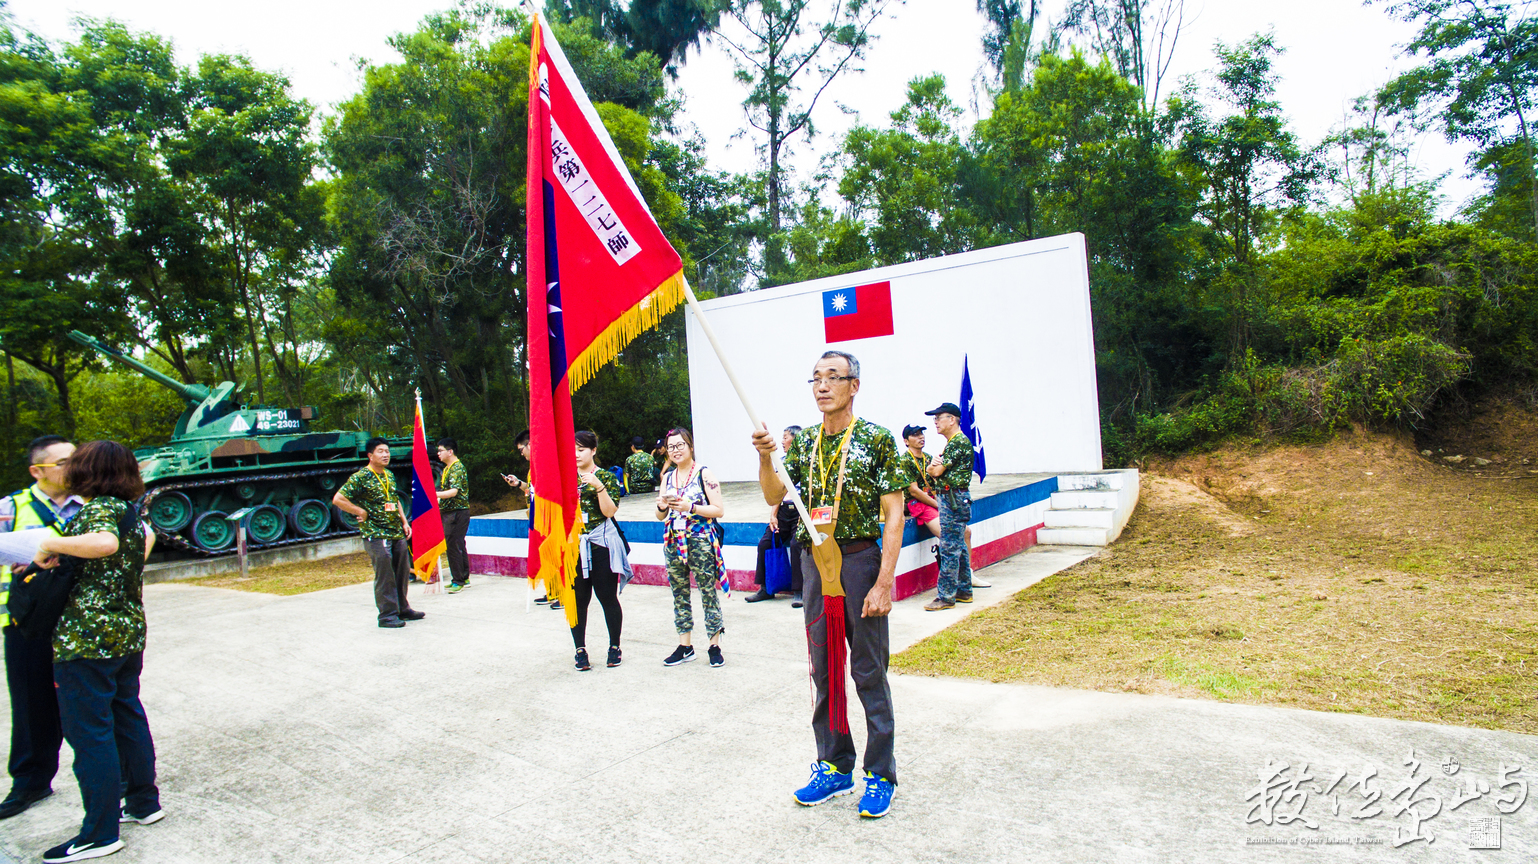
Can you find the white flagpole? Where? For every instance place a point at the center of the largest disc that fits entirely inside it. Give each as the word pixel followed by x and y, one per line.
pixel 774 457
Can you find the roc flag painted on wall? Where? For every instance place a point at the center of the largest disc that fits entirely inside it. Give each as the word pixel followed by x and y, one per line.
pixel 857 313
pixel 605 273
pixel 427 541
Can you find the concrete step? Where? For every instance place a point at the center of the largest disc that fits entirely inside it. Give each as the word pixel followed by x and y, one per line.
pixel 1073 536
pixel 1081 518
pixel 1080 500
pixel 1076 482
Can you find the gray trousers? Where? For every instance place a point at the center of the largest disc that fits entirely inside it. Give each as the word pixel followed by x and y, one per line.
pixel 869 648
pixel 455 524
pixel 392 566
pixel 955 556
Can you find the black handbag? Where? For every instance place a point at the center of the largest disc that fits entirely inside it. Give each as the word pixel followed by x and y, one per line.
pixel 38 596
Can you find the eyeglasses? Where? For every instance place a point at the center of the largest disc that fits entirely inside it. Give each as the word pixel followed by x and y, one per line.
pixel 59 464
pixel 831 379
pixel 679 446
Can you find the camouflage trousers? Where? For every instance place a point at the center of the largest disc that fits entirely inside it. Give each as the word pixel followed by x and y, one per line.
pixel 955 557
pixel 702 563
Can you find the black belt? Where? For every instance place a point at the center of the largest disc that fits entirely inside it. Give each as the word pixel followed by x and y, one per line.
pixel 849 547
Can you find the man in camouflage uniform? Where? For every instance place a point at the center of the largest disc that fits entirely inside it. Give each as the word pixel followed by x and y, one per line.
pixel 454 508
pixel 638 467
pixel 872 493
pixel 951 473
pixel 370 496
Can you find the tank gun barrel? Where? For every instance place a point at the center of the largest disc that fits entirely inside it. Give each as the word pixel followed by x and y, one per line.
pixel 193 393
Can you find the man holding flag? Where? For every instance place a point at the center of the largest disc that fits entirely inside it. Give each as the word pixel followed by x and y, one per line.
pixel 606 273
pixel 454 504
pixel 370 496
pixel 848 468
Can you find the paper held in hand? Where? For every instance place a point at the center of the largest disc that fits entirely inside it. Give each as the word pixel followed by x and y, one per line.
pixel 20 547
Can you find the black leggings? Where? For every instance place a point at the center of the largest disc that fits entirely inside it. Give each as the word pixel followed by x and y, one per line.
pixel 605 583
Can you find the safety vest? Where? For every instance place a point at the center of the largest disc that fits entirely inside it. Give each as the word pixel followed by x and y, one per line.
pixel 33 509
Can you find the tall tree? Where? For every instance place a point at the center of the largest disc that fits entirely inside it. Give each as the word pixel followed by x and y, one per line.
pixel 246 156
pixel 1252 167
pixel 52 158
pixel 1139 37
pixel 788 55
pixel 906 181
pixel 1480 80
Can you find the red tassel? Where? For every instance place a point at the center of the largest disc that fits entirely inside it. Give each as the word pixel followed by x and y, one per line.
pixel 838 708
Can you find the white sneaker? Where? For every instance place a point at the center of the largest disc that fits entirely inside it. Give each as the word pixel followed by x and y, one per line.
pixel 142 820
pixel 978 583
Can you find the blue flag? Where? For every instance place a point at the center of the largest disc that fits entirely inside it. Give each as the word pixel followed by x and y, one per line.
pixel 969 423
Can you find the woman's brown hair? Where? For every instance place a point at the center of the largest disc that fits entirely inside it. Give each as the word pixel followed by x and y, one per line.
pixel 104 468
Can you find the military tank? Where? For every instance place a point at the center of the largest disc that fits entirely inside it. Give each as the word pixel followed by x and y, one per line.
pixel 224 456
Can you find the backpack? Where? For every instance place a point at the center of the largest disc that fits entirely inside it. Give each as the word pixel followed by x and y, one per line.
pixel 38 596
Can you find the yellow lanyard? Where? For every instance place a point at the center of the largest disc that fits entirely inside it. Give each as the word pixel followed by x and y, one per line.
pixel 386 488
pixel 919 467
pixel 827 464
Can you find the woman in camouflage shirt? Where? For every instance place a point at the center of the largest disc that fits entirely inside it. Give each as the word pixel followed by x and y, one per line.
pixel 598 500
pixel 99 650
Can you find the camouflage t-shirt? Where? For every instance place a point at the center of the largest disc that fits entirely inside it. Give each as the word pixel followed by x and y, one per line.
pixel 104 617
pixel 592 515
pixel 371 492
pixel 454 477
pixel 958 458
pixel 873 471
pixel 638 472
pixel 911 471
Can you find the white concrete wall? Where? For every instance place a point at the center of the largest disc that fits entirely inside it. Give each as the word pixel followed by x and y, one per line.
pixel 1021 312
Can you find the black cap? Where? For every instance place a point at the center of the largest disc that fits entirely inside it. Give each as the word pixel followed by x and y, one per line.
pixel 910 431
pixel 945 408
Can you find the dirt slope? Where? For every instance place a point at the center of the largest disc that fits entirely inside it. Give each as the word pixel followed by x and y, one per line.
pixel 1356 575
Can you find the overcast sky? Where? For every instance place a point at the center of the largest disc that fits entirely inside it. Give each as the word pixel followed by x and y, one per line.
pixel 1336 50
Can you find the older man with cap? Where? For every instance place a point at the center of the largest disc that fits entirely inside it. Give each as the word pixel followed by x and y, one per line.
pixel 951 476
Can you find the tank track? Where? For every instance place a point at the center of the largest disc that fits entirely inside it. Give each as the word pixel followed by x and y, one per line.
pixel 180 543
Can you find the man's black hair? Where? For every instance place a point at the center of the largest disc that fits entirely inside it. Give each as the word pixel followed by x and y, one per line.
pixel 449 445
pixel 523 438
pixel 370 444
pixel 40 444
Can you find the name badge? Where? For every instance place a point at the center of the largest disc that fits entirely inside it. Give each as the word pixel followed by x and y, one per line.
pixel 822 515
pixel 389 506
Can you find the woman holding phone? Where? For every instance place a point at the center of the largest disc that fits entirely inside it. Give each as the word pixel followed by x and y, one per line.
pixel 691 505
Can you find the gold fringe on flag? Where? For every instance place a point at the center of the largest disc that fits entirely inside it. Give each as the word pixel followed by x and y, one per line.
pixel 424 563
pixel 637 319
pixel 555 547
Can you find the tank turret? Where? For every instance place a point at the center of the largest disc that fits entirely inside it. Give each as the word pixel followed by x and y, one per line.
pixel 223 456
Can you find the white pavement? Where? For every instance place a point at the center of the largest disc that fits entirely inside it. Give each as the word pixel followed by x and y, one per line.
pixel 291 729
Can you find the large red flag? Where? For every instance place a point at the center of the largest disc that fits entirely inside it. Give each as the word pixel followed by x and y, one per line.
pixel 605 273
pixel 427 541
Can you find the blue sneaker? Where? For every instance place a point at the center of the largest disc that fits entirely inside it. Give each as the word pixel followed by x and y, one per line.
pixel 827 782
pixel 877 799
